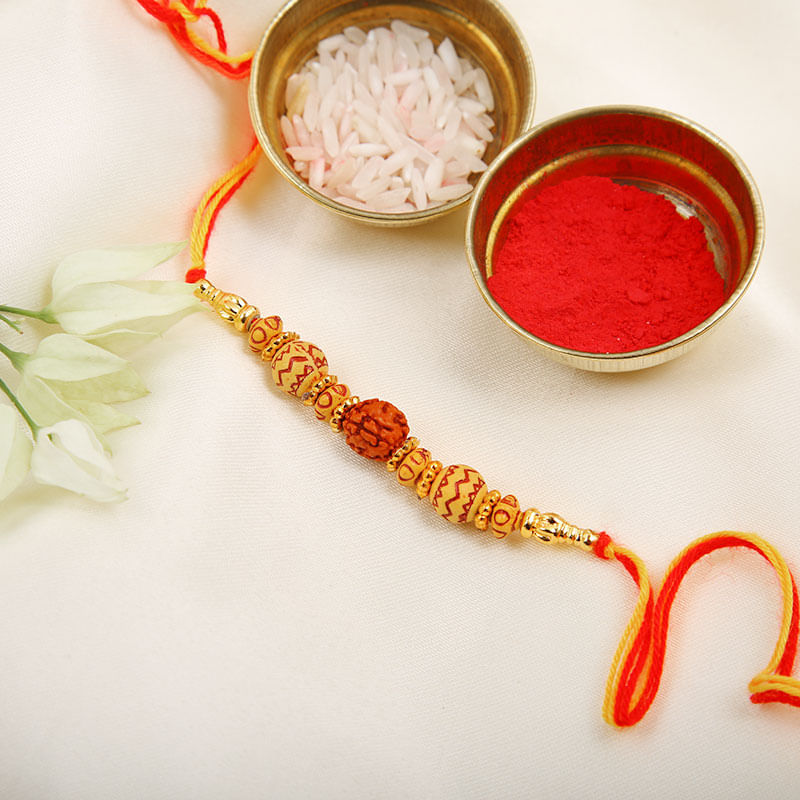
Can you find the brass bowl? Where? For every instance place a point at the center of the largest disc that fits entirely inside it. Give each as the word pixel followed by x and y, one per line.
pixel 654 150
pixel 480 29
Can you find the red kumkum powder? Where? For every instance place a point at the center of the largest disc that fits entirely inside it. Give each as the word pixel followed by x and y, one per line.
pixel 594 266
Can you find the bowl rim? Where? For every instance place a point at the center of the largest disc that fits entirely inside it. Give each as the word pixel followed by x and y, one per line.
pixel 372 217
pixel 632 359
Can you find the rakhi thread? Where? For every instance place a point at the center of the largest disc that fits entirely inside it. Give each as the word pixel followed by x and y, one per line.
pixel 458 493
pixel 179 15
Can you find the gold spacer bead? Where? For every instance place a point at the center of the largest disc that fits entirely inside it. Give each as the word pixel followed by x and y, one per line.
pixel 310 397
pixel 245 318
pixel 407 447
pixel 427 478
pixel 276 342
pixel 526 522
pixel 484 512
pixel 550 528
pixel 337 418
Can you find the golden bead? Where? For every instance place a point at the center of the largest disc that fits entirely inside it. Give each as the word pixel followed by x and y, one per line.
pixel 457 492
pixel 505 516
pixel 228 306
pixel 204 289
pixel 245 318
pixel 427 478
pixel 549 528
pixel 412 466
pixel 394 460
pixel 485 509
pixel 276 343
pixel 337 416
pixel 329 399
pixel 310 397
pixel 297 365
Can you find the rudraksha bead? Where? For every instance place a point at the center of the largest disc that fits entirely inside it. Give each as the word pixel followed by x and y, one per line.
pixel 375 429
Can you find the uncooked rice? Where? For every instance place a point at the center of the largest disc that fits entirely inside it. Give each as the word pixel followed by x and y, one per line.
pixel 386 121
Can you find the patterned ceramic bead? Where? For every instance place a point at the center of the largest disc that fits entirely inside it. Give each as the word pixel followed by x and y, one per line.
pixel 328 399
pixel 457 492
pixel 297 365
pixel 262 330
pixel 397 457
pixel 505 516
pixel 412 466
pixel 375 429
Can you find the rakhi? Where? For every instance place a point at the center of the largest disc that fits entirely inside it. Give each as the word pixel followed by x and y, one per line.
pixel 377 430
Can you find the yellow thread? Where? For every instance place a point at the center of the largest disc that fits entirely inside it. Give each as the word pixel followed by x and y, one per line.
pixel 200 43
pixel 629 634
pixel 765 680
pixel 185 12
pixel 215 195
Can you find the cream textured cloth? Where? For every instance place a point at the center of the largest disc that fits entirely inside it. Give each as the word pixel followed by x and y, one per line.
pixel 269 615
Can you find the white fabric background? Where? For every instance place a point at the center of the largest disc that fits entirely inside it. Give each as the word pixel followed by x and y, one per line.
pixel 269 615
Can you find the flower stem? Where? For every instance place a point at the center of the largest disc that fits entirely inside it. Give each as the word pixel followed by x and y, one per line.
pixel 14 356
pixel 44 315
pixel 11 323
pixel 23 413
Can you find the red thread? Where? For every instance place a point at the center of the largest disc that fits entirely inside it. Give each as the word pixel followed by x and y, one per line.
pixel 640 674
pixel 195 274
pixel 601 546
pixel 595 266
pixel 177 26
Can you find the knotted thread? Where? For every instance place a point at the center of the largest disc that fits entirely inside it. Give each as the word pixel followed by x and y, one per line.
pixel 179 15
pixel 638 663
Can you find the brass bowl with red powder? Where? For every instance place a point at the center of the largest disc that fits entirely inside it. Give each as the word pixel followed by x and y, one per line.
pixel 654 150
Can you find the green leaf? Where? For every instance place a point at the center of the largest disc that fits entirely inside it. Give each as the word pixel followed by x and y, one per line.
pixel 111 264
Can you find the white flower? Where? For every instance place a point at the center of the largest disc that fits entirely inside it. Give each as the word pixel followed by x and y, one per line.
pixel 15 451
pixel 69 455
pixel 67 377
pixel 95 297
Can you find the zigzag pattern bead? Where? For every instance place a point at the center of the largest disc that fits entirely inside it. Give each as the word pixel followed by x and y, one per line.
pixel 297 365
pixel 457 492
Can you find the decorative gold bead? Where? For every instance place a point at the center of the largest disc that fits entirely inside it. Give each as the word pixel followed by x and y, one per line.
pixel 229 305
pixel 310 397
pixel 394 460
pixel 245 318
pixel 484 512
pixel 276 343
pixel 203 289
pixel 426 479
pixel 549 528
pixel 337 417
